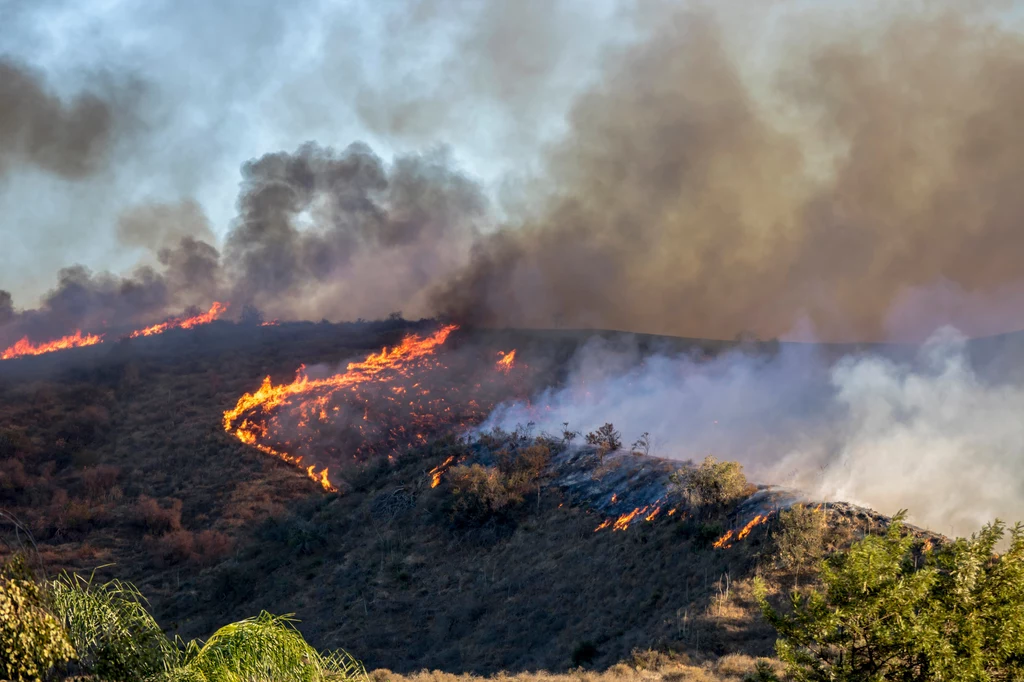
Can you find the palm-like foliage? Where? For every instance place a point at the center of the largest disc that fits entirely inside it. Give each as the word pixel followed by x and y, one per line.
pixel 117 639
pixel 266 648
pixel 111 630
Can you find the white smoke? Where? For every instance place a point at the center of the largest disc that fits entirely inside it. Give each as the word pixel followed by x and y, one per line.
pixel 929 433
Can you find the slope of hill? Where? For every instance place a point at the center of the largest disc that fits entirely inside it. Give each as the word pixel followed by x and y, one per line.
pixel 116 458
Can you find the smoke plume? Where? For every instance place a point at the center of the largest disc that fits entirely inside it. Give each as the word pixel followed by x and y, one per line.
pixel 321 232
pixel 694 196
pixel 717 170
pixel 937 433
pixel 70 139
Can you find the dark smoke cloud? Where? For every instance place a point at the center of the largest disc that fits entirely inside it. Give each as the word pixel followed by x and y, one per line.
pixel 685 200
pixel 188 273
pixel 318 233
pixel 322 232
pixel 70 139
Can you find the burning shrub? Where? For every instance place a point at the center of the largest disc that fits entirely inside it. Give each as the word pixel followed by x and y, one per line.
pixel 712 485
pixel 155 518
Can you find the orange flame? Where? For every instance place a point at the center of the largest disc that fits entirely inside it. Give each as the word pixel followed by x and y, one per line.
pixel 720 542
pixel 723 542
pixel 215 311
pixel 271 323
pixel 756 521
pixel 270 397
pixel 507 361
pixel 622 523
pixel 438 471
pixel 25 347
pixel 604 524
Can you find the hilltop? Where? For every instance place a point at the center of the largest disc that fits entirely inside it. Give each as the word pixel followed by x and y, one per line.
pixel 115 457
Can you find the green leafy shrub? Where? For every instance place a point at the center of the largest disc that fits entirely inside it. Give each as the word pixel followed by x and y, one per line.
pixel 881 615
pixel 266 647
pixel 115 636
pixel 32 640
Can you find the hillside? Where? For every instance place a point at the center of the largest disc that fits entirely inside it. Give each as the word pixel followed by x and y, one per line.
pixel 116 459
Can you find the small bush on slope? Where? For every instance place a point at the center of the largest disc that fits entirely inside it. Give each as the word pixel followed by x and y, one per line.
pixel 713 485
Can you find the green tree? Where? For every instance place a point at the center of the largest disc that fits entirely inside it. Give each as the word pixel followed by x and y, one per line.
pixel 32 641
pixel 883 612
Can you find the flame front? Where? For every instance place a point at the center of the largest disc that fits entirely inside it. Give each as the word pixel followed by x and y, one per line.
pixel 215 311
pixel 507 361
pixel 438 471
pixel 25 347
pixel 310 401
pixel 724 541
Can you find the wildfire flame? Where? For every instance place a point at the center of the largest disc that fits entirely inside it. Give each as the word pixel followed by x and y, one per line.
pixel 438 471
pixel 507 361
pixel 724 541
pixel 25 347
pixel 215 311
pixel 422 405
pixel 648 513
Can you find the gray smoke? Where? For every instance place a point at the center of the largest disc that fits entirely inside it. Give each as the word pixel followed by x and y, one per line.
pixel 700 192
pixel 71 139
pixel 326 233
pixel 935 433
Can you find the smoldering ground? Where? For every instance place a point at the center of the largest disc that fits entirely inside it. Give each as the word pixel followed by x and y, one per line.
pixel 938 430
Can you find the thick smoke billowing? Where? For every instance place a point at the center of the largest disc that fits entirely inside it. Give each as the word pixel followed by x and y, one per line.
pixel 694 197
pixel 70 139
pixel 935 434
pixel 855 177
pixel 327 233
pixel 319 233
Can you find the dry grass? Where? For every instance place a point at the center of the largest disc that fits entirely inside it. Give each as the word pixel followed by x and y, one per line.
pixel 730 668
